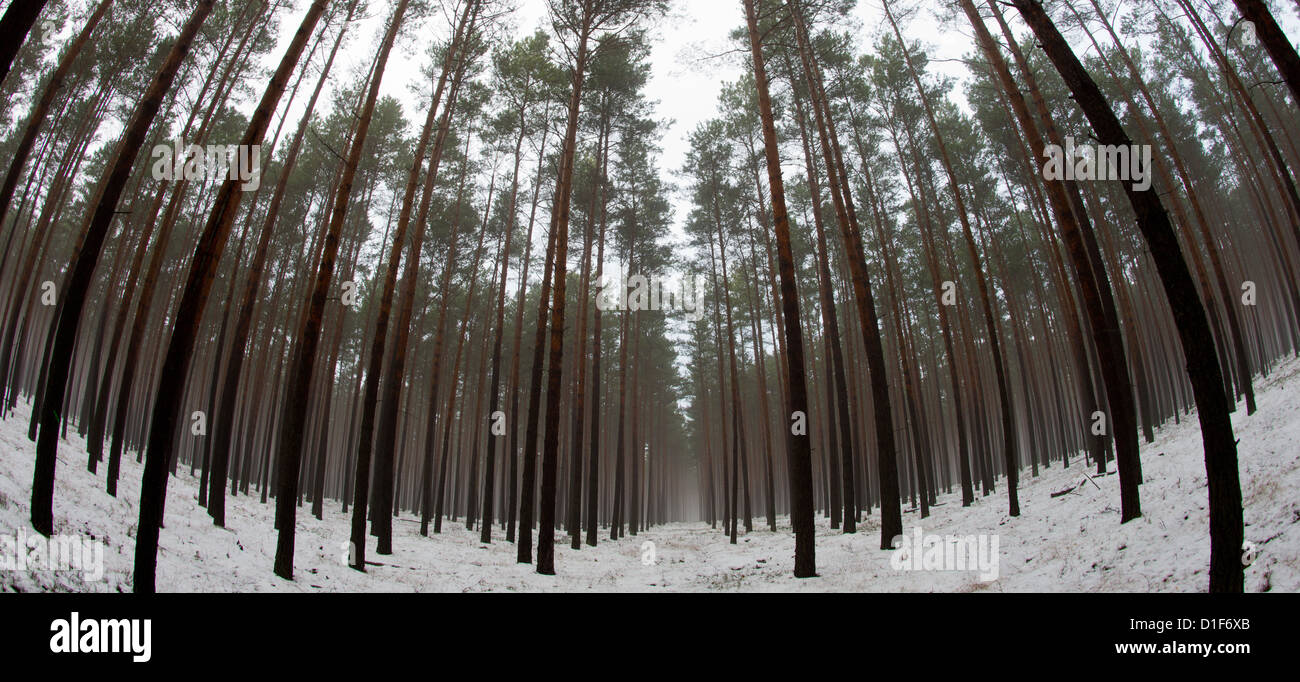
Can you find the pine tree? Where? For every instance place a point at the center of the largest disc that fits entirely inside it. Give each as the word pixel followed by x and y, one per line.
pixel 82 269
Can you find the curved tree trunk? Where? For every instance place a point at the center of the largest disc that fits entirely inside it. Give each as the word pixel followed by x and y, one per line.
pixel 377 379
pixel 87 256
pixel 42 107
pixel 247 302
pixel 1226 522
pixel 1093 282
pixel 1275 41
pixel 168 402
pixel 14 26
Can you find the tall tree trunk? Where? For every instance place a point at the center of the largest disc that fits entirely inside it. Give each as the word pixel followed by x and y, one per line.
pixel 1093 282
pixel 1009 449
pixel 168 402
pixel 1275 41
pixel 836 384
pixel 512 499
pixel 42 107
pixel 225 412
pixel 392 378
pixel 87 256
pixel 14 26
pixel 560 230
pixel 891 517
pixel 1226 523
pixel 435 374
pixel 494 404
pixel 289 452
pixel 593 463
pixel 799 441
pixel 579 408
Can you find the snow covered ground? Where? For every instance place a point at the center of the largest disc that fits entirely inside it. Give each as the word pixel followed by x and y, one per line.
pixel 1073 542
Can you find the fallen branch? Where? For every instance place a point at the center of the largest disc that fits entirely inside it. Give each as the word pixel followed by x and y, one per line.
pixel 1067 491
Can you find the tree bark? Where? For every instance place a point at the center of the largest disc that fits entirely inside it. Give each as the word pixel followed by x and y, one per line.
pixel 799 443
pixel 1226 522
pixel 87 256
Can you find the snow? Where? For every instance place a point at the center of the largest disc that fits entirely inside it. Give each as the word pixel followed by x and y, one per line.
pixel 1070 543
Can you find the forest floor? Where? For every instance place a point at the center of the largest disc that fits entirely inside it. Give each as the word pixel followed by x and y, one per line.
pixel 1071 543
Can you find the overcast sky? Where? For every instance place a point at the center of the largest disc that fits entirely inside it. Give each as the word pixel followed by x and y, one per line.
pixel 691 57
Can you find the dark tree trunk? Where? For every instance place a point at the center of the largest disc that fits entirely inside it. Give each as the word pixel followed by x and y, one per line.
pixel 799 443
pixel 494 397
pixel 168 402
pixel 14 26
pixel 87 256
pixel 225 412
pixel 560 232
pixel 891 517
pixel 1093 282
pixel 42 108
pixel 1226 522
pixel 1275 41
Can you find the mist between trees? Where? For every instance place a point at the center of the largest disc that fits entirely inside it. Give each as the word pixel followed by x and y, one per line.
pixel 896 285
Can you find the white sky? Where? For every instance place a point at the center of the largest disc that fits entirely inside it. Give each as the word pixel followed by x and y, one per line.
pixel 692 58
pixel 690 61
pixel 687 74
